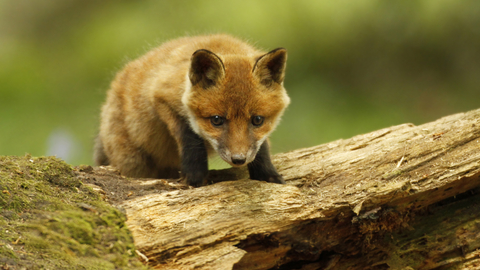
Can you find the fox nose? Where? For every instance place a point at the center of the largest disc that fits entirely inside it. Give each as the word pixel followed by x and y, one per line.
pixel 238 159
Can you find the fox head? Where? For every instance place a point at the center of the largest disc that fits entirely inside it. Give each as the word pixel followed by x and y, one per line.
pixel 235 101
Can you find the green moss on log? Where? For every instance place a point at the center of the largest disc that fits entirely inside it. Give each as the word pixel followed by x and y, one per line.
pixel 49 220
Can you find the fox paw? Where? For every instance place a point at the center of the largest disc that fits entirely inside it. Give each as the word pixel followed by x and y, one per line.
pixel 275 179
pixel 195 179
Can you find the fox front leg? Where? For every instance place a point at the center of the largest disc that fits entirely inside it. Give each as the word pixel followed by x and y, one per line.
pixel 261 168
pixel 194 164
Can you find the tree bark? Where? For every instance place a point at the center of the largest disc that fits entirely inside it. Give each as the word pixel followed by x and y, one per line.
pixel 404 197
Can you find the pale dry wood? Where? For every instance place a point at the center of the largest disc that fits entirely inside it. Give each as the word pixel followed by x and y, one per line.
pixel 340 201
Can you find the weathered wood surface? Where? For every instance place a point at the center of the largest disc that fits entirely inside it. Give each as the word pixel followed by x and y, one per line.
pixel 363 203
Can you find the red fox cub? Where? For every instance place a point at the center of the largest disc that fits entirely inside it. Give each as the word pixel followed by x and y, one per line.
pixel 191 97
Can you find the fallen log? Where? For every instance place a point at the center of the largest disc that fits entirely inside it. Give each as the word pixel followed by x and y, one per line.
pixel 404 197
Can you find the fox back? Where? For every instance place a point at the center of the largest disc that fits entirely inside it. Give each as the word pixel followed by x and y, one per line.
pixel 191 97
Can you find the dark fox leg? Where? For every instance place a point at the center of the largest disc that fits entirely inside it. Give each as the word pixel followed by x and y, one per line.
pixel 194 164
pixel 261 168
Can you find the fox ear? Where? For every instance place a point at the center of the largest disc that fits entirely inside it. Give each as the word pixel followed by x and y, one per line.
pixel 270 67
pixel 206 68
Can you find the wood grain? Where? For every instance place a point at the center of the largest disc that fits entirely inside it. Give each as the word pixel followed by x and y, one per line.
pixel 343 200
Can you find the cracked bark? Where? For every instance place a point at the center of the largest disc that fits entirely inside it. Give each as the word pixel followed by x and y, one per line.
pixel 404 197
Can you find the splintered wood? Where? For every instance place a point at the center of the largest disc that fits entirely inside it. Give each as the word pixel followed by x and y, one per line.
pixel 367 202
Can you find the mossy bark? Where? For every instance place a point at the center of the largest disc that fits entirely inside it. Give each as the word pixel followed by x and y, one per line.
pixel 404 197
pixel 50 220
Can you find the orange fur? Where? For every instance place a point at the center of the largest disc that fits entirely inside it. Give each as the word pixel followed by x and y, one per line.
pixel 153 96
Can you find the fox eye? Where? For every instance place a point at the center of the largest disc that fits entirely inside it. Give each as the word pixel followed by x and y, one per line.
pixel 257 120
pixel 217 120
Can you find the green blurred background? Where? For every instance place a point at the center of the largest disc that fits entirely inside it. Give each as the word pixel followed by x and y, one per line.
pixel 353 67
